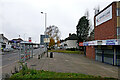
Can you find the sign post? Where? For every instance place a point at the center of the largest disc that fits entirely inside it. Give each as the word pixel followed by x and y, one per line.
pixel 46 40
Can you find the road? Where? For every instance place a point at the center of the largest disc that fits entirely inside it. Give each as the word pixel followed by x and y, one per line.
pixel 10 57
pixel 9 60
pixel 61 62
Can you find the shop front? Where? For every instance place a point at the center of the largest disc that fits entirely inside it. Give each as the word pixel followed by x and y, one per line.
pixel 104 54
pixel 106 51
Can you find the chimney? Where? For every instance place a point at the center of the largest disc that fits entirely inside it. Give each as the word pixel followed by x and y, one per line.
pixel 69 34
pixel 2 35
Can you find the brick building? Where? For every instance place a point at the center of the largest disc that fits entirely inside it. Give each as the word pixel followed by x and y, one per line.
pixel 106 46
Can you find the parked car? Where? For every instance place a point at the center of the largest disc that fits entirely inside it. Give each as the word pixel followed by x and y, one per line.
pixel 6 50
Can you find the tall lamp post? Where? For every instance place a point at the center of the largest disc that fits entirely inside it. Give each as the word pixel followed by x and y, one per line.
pixel 45 30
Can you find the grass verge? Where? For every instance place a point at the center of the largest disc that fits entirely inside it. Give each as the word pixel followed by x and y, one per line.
pixel 67 51
pixel 31 74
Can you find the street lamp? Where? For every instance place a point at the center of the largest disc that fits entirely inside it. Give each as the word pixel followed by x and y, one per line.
pixel 45 30
pixel 45 19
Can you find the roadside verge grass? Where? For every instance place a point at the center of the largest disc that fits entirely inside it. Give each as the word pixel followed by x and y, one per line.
pixel 67 51
pixel 31 74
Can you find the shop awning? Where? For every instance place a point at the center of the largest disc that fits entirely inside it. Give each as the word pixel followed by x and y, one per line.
pixel 102 42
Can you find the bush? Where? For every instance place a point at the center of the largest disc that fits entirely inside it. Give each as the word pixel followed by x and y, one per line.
pixel 71 49
pixel 49 48
pixel 81 48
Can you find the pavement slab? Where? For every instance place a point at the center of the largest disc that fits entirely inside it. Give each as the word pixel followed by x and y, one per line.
pixel 73 63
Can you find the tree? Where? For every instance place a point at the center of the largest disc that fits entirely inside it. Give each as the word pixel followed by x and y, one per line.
pixel 52 42
pixel 91 37
pixel 58 43
pixel 97 9
pixel 83 29
pixel 53 33
pixel 87 14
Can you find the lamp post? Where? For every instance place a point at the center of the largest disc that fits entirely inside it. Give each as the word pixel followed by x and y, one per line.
pixel 45 30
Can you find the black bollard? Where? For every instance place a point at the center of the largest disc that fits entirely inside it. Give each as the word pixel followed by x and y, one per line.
pixel 38 56
pixel 51 54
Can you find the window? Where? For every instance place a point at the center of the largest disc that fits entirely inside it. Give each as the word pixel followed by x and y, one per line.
pixel 118 11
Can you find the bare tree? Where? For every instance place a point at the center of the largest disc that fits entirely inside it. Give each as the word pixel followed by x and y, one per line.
pixel 87 14
pixel 97 9
pixel 53 33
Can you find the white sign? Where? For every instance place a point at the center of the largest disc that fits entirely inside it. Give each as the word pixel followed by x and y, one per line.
pixel 46 40
pixel 90 43
pixel 104 16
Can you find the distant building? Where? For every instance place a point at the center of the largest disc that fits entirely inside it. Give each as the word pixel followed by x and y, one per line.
pixel 42 37
pixel 3 41
pixel 70 42
pixel 15 42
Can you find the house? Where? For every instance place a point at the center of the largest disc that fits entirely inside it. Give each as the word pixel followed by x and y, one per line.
pixel 4 42
pixel 70 42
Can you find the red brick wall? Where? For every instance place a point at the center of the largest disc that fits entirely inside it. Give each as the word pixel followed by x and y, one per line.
pixel 107 30
pixel 90 52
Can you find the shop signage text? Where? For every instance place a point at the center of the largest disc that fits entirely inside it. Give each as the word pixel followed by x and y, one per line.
pixel 104 16
pixel 110 42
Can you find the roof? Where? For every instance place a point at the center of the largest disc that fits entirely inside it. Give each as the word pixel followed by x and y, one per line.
pixel 18 39
pixel 72 37
pixel 3 37
pixel 28 43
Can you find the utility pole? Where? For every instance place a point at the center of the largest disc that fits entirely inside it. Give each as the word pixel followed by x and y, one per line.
pixel 45 31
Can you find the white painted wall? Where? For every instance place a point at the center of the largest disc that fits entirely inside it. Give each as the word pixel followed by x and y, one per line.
pixel 1 40
pixel 71 43
pixel 8 46
pixel 0 45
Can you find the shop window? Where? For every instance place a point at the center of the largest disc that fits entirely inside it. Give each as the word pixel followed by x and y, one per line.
pixel 118 11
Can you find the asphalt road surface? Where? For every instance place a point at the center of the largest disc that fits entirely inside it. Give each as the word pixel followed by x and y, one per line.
pixel 12 57
pixel 9 60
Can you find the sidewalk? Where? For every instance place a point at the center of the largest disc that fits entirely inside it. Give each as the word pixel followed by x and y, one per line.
pixel 74 63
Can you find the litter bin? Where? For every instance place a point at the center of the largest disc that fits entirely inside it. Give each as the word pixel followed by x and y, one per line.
pixel 51 54
pixel 39 56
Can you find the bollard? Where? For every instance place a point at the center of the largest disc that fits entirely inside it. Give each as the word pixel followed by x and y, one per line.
pixel 51 54
pixel 41 55
pixel 38 56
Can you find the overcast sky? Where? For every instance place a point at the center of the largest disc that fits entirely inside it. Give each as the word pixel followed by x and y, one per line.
pixel 23 17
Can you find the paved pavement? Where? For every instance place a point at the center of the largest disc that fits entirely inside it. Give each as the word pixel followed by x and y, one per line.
pixel 63 62
pixel 73 63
